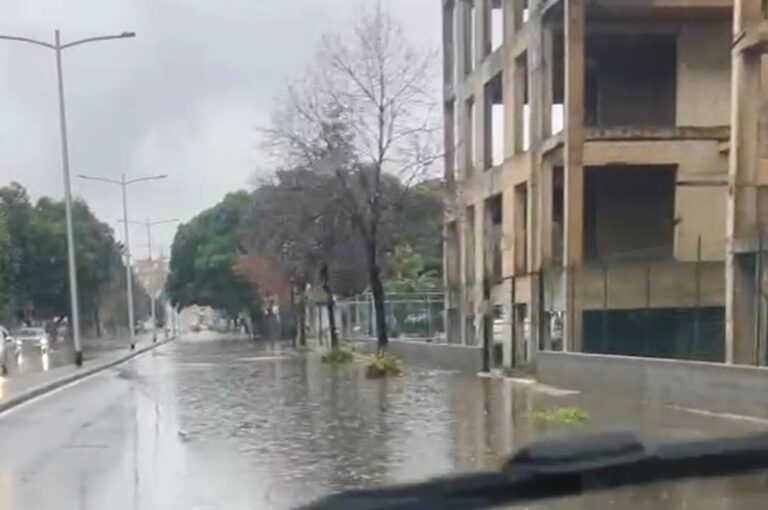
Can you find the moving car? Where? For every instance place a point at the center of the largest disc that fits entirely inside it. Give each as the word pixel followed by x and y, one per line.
pixel 33 336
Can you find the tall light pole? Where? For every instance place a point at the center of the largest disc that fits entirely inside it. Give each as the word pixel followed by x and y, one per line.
pixel 123 183
pixel 152 292
pixel 58 47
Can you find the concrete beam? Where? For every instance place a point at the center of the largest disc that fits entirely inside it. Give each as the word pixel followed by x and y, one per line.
pixel 753 40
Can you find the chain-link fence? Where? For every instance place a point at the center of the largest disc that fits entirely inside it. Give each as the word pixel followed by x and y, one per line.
pixel 418 315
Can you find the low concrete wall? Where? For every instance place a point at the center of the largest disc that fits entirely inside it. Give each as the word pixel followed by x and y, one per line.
pixel 443 356
pixel 707 386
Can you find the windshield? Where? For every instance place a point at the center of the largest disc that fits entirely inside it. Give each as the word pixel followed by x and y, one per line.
pixel 294 249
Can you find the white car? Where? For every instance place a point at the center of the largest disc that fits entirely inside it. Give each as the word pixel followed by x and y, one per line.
pixel 33 336
pixel 8 346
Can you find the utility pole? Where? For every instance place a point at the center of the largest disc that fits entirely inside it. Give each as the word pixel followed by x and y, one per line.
pixel 123 183
pixel 58 47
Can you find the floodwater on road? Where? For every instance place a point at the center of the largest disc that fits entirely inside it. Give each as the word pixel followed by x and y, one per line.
pixel 228 424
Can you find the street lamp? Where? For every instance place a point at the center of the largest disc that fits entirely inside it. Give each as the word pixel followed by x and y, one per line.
pixel 58 47
pixel 149 225
pixel 123 183
pixel 152 297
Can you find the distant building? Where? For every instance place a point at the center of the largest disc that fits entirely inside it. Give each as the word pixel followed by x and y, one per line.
pixel 152 273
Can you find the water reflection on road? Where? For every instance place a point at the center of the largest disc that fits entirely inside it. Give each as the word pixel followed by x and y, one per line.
pixel 310 429
pixel 230 424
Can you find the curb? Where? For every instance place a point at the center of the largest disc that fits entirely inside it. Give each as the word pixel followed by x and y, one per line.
pixel 84 372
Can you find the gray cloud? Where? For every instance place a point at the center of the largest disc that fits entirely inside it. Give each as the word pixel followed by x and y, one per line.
pixel 184 98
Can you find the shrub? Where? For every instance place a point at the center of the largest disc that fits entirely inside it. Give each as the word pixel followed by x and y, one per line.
pixel 562 416
pixel 383 365
pixel 337 357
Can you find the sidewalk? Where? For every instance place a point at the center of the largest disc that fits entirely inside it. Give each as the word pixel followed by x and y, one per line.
pixel 24 386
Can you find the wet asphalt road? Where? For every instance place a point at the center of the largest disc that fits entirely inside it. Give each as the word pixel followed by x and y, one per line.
pixel 207 423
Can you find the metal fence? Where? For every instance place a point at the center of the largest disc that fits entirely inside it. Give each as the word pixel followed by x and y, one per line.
pixel 409 316
pixel 666 303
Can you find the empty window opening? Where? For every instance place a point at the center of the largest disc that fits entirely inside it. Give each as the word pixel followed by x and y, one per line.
pixel 522 108
pixel 521 334
pixel 635 199
pixel 558 214
pixel 494 122
pixel 453 268
pixel 496 25
pixel 557 110
pixel 521 228
pixel 450 141
pixel 469 36
pixel 469 135
pixel 631 81
pixel 493 233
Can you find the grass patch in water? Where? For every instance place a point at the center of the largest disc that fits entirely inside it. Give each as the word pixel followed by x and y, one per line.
pixel 337 357
pixel 562 416
pixel 383 365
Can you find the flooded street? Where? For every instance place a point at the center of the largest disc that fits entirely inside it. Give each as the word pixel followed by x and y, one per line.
pixel 228 424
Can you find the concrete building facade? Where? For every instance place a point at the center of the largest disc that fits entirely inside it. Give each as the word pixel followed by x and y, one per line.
pixel 598 198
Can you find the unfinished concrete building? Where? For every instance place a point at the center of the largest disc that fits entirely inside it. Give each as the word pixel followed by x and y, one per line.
pixel 599 199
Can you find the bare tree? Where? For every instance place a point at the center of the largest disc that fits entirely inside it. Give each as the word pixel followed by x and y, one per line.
pixel 365 115
pixel 296 225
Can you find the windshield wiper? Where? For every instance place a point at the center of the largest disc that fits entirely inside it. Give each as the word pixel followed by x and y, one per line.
pixel 567 467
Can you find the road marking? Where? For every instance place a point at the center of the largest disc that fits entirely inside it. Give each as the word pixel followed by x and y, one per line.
pixel 53 392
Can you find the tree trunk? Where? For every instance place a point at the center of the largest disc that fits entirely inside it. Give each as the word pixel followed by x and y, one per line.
pixel 303 319
pixel 330 305
pixel 379 300
pixel 97 320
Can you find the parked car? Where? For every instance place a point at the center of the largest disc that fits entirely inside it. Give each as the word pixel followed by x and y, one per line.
pixel 36 337
pixel 6 344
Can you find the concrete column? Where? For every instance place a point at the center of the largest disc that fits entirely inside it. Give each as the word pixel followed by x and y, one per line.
pixel 463 290
pixel 449 41
pixel 546 190
pixel 574 24
pixel 480 31
pixel 509 7
pixel 540 69
pixel 742 213
pixel 484 13
pixel 480 273
pixel 547 74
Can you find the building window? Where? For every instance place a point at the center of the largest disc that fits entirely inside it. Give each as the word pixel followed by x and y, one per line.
pixel 493 132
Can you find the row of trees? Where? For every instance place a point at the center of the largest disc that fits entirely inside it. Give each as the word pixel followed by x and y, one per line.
pixel 281 244
pixel 354 147
pixel 33 262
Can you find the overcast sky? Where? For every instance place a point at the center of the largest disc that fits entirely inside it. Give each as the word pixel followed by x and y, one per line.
pixel 184 98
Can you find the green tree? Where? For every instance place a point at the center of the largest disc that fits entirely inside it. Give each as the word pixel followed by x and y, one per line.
pixel 33 257
pixel 7 270
pixel 45 261
pixel 420 224
pixel 203 258
pixel 16 210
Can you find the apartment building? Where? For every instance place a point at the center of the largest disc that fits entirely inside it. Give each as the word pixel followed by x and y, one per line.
pixel 599 200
